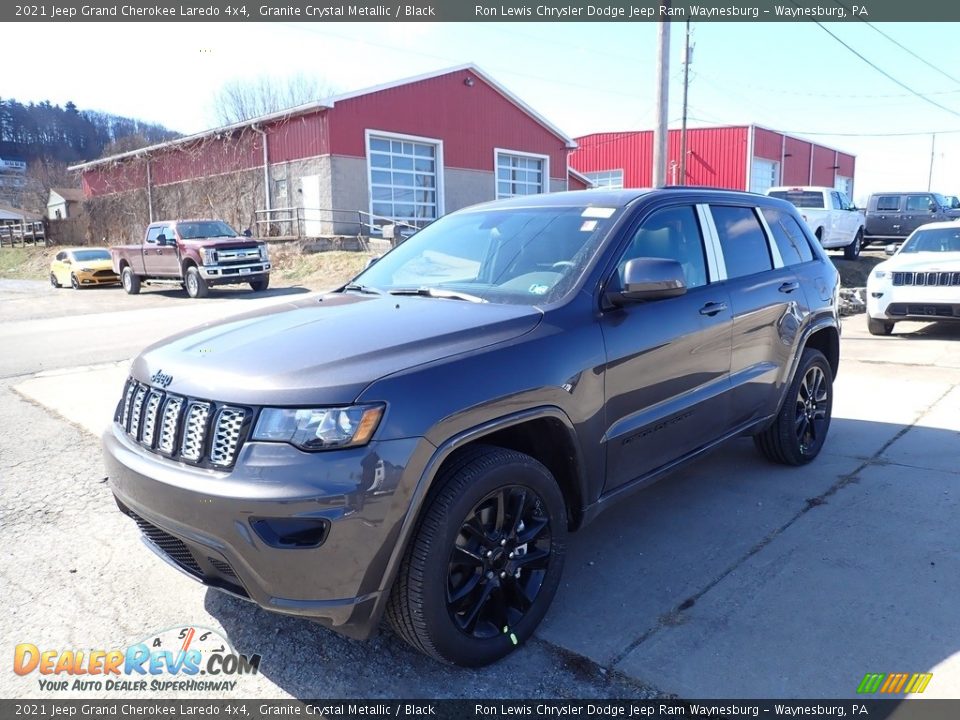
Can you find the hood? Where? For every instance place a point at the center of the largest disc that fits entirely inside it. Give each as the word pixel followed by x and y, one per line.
pixel 95 264
pixel 221 242
pixel 923 262
pixel 315 352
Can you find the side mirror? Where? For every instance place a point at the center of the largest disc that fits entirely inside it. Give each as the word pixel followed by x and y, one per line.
pixel 650 279
pixel 247 233
pixel 161 239
pixel 371 262
pixel 890 249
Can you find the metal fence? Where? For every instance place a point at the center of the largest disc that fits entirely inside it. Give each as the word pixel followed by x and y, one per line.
pixel 299 223
pixel 13 234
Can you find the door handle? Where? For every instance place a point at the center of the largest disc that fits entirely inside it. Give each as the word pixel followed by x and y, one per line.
pixel 789 287
pixel 712 308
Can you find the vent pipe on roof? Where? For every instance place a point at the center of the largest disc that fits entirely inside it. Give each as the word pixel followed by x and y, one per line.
pixel 266 168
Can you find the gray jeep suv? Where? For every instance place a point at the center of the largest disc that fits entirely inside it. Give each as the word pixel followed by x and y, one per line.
pixel 419 443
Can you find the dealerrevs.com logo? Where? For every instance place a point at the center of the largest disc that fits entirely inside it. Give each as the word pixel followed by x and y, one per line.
pixel 186 659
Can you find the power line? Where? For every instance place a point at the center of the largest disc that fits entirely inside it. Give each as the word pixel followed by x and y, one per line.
pixel 886 74
pixel 911 52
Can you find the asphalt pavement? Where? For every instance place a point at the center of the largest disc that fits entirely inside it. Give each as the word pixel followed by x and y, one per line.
pixel 732 578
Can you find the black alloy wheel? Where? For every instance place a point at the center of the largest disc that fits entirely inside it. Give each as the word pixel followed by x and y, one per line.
pixel 797 434
pixel 498 562
pixel 811 409
pixel 485 560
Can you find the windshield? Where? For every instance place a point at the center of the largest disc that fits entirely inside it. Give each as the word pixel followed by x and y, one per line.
pixel 524 256
pixel 936 240
pixel 800 198
pixel 89 255
pixel 205 229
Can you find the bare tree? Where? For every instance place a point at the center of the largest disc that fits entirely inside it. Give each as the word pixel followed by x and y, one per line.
pixel 243 99
pixel 42 175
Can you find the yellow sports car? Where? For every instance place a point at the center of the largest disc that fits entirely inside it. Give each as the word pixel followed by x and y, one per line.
pixel 82 266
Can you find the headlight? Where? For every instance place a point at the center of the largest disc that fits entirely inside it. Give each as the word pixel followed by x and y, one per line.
pixel 209 256
pixel 879 274
pixel 319 428
pixel 263 253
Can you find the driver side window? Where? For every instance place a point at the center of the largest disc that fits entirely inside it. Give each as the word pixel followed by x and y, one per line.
pixel 674 234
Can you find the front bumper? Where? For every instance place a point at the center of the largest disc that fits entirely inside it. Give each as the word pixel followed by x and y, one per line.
pixel 913 302
pixel 223 274
pixel 203 521
pixel 99 277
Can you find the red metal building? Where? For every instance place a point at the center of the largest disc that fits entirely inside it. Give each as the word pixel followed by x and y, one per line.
pixel 744 157
pixel 407 151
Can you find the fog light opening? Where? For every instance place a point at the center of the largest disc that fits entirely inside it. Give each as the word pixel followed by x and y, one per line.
pixel 291 532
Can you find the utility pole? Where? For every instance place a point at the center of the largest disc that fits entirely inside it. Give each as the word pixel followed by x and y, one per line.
pixel 683 127
pixel 933 148
pixel 659 173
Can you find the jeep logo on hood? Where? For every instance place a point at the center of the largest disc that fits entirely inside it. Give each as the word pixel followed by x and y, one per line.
pixel 161 379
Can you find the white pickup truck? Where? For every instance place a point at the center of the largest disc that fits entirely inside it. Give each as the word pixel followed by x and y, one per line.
pixel 835 220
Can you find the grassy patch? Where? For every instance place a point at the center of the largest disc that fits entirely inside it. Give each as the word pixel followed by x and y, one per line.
pixel 317 271
pixel 31 263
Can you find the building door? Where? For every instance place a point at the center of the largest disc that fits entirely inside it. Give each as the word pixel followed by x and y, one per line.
pixel 312 217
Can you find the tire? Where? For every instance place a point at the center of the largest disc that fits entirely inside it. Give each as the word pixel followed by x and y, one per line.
pixel 879 327
pixel 54 281
pixel 852 251
pixel 261 284
pixel 130 281
pixel 195 284
pixel 74 283
pixel 461 595
pixel 800 428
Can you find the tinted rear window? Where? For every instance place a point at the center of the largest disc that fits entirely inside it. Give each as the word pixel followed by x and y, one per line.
pixel 800 198
pixel 744 243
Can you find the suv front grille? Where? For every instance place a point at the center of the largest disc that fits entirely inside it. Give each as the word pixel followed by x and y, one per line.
pixel 199 432
pixel 940 279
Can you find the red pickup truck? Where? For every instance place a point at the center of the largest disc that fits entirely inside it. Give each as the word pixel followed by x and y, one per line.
pixel 193 254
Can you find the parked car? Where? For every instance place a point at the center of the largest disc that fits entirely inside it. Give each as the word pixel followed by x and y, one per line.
pixel 82 267
pixel 894 215
pixel 920 282
pixel 192 254
pixel 419 442
pixel 835 220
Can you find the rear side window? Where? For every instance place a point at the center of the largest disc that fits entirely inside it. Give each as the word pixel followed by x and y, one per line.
pixel 792 243
pixel 888 203
pixel 742 240
pixel 153 233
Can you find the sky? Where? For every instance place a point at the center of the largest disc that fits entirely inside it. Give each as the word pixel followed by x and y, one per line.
pixel 583 77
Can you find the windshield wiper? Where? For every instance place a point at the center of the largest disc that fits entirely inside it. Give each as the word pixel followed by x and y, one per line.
pixel 437 293
pixel 365 289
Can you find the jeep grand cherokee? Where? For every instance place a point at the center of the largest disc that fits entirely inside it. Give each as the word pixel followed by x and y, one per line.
pixel 418 443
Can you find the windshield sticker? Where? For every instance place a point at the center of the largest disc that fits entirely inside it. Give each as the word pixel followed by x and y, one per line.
pixel 598 212
pixel 588 226
pixel 537 289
